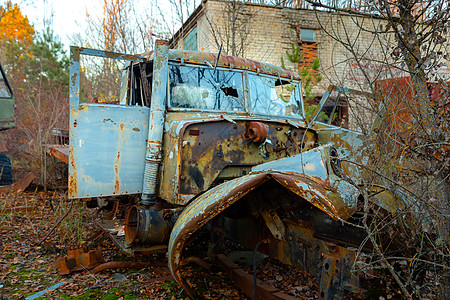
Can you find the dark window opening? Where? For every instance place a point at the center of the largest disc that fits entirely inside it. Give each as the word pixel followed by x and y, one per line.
pixel 140 89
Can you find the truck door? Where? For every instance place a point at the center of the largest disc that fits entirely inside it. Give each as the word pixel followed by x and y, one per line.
pixel 6 102
pixel 107 132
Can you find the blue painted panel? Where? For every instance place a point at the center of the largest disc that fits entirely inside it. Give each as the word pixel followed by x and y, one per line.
pixel 107 150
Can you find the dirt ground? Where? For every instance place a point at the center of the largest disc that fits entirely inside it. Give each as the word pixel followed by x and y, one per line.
pixel 27 258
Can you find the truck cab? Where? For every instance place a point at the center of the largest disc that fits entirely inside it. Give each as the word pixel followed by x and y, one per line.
pixel 222 116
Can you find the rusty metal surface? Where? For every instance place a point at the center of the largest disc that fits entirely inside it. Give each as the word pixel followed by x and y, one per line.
pixel 146 225
pixel 107 142
pixel 310 176
pixel 120 265
pixel 280 180
pixel 245 282
pixel 314 188
pixel 108 227
pixel 256 131
pixel 297 244
pixel 299 231
pixel 351 147
pixel 107 150
pixel 198 261
pixel 19 185
pixel 198 152
pixel 332 264
pixel 204 208
pixel 230 61
pixel 156 121
pixel 78 259
pixel 336 274
pixel 61 152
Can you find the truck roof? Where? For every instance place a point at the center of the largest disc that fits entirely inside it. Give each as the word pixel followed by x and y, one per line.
pixel 226 61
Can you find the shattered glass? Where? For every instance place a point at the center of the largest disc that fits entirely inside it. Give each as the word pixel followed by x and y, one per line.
pixel 206 88
pixel 275 97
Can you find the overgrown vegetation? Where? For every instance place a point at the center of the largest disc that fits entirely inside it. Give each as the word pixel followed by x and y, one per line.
pixel 37 68
pixel 310 76
pixel 411 153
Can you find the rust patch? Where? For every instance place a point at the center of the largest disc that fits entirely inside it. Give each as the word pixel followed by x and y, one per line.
pixel 73 184
pixel 231 61
pixel 136 129
pixel 60 152
pixel 116 172
pixel 213 147
pixel 78 259
pixel 256 131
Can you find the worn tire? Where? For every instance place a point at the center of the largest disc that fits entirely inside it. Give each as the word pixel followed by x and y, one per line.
pixel 5 170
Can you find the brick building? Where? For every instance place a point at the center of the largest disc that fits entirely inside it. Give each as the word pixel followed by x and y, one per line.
pixel 265 33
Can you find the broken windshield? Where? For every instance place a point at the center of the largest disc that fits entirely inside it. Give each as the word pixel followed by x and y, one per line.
pixel 274 96
pixel 206 88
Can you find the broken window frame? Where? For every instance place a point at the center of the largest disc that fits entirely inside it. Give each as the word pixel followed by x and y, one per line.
pixel 297 91
pixel 130 83
pixel 345 92
pixel 244 109
pixel 124 87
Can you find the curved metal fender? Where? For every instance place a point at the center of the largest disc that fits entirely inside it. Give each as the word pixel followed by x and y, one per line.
pixel 214 201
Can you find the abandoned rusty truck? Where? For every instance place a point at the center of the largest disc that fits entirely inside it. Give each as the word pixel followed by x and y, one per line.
pixel 218 148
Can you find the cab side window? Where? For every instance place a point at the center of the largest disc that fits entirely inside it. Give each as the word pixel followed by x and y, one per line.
pixel 136 87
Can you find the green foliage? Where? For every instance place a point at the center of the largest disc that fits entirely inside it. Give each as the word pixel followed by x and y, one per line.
pixel 172 288
pixel 44 58
pixel 310 78
pixel 49 57
pixel 38 73
pixel 294 57
pixel 110 294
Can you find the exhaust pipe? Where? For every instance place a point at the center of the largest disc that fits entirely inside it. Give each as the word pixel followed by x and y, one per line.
pixel 153 156
pixel 149 225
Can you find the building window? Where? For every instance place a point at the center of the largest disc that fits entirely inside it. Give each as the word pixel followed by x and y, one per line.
pixel 307 35
pixel 190 41
pixel 307 42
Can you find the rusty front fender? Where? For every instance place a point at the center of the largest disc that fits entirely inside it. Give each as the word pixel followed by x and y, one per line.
pixel 331 199
pixel 203 209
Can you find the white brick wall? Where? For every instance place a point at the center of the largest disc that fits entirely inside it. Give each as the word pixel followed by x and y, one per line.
pixel 273 30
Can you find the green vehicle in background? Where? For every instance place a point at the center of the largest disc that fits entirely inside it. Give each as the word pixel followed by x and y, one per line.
pixel 6 102
pixel 6 122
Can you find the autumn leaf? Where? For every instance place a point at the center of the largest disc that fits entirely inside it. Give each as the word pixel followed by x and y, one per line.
pixel 14 26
